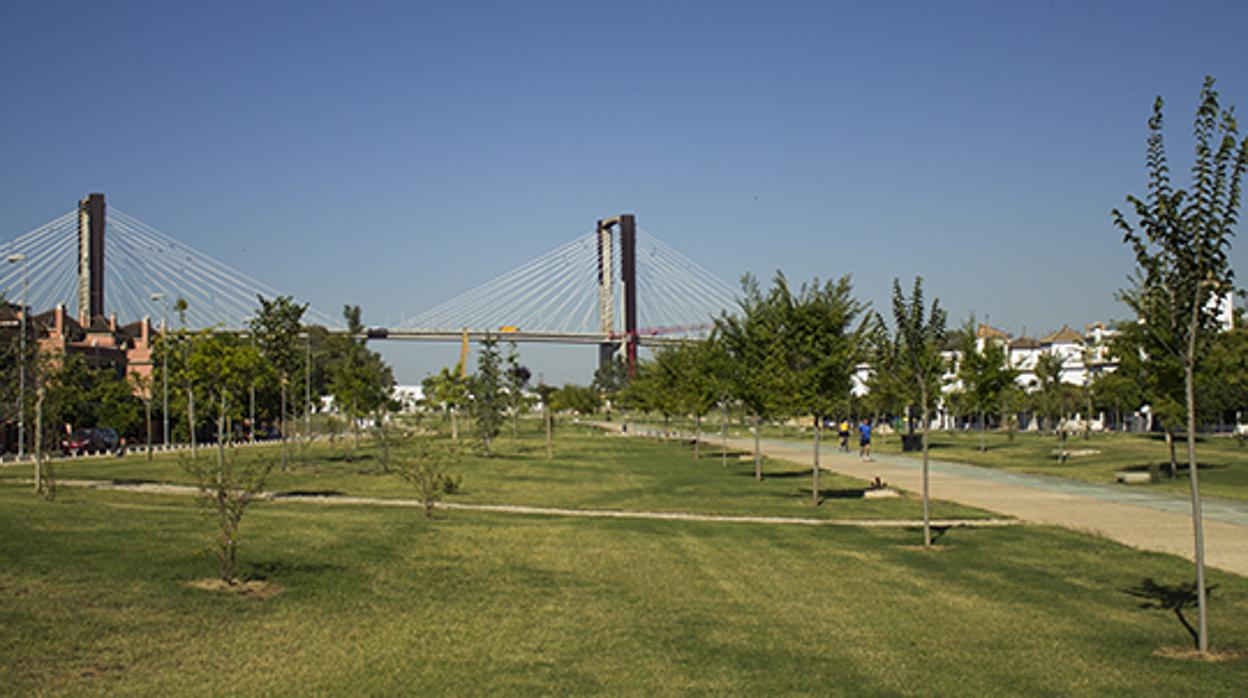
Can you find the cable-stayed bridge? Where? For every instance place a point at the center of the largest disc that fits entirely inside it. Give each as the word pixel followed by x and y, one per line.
pixel 616 287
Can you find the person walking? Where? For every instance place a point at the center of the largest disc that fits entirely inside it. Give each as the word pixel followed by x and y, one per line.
pixel 864 439
pixel 842 430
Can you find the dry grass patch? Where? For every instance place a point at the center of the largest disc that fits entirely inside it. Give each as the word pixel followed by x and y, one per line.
pixel 1190 654
pixel 252 589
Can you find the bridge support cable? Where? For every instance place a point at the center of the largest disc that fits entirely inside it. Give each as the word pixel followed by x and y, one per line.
pixel 49 263
pixel 551 293
pixel 574 290
pixel 225 296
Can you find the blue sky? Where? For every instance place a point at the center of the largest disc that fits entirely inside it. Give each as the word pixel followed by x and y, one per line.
pixel 393 155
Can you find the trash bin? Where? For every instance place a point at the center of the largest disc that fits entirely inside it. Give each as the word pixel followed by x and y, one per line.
pixel 911 442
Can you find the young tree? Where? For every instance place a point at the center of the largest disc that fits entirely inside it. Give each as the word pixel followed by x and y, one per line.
pixel 581 399
pixel 425 471
pixel 751 339
pixel 1180 240
pixel 276 328
pixel 1052 397
pixel 985 372
pixel 920 338
pixel 517 378
pixel 487 398
pixel 359 380
pixel 449 392
pixel 822 341
pixel 227 487
pixel 546 393
pixel 224 366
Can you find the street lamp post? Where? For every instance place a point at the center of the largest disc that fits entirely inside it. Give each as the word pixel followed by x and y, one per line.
pixel 251 429
pixel 20 258
pixel 164 348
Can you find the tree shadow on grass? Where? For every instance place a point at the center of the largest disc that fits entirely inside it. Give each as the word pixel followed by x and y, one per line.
pixel 1169 597
pixel 270 569
pixel 833 493
pixel 307 493
pixel 938 532
pixel 348 457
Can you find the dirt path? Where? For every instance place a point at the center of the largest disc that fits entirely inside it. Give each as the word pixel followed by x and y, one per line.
pixel 1149 521
pixel 187 490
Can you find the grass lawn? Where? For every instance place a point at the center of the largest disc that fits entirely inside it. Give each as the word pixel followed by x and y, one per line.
pixel 1223 472
pixel 590 471
pixel 380 601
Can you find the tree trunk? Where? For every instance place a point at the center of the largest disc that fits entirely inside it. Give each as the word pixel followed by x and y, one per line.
pixel 454 425
pixel 1087 421
pixel 1174 464
pixel 148 407
pixel 983 435
pixel 758 456
pixel 282 421
pixel 39 442
pixel 927 519
pixel 190 417
pixel 723 435
pixel 221 435
pixel 1198 528
pixel 355 431
pixel 697 437
pixel 814 486
pixel 550 453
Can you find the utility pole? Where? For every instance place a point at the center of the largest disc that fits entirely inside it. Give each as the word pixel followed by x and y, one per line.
pixel 20 258
pixel 164 349
pixel 251 428
pixel 307 386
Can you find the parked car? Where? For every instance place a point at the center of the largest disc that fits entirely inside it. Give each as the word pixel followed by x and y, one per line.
pixel 103 440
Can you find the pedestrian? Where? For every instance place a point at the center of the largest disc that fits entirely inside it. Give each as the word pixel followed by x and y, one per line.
pixel 864 439
pixel 842 430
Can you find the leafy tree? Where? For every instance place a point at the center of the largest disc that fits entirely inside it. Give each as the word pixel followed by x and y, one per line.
pixel 276 328
pixel 705 368
pixel 1180 240
pixel 449 392
pixel 1222 380
pixel 1116 392
pixel 517 378
pixel 985 372
pixel 751 339
pixel 581 399
pixel 1052 396
pixel 487 398
pixel 886 390
pixel 920 337
pixel 610 380
pixel 822 340
pixel 1143 356
pixel 360 381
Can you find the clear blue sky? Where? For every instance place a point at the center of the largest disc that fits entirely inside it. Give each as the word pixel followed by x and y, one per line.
pixel 395 154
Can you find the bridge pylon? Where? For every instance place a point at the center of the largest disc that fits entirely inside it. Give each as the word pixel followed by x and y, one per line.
pixel 91 258
pixel 626 225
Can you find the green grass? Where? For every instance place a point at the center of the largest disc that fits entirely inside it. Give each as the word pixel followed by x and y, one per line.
pixel 590 471
pixel 382 602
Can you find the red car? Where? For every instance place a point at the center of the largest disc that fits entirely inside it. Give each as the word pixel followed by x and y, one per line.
pixel 91 441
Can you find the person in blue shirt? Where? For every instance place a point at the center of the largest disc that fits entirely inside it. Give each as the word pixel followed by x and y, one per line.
pixel 864 439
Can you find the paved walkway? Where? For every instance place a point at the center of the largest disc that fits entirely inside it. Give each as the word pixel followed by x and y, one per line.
pixel 189 490
pixel 1155 521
